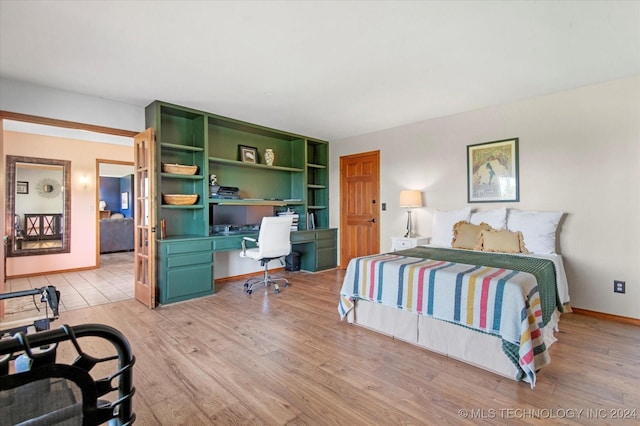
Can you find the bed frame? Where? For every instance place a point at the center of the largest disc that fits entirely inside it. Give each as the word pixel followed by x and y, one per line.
pixel 469 346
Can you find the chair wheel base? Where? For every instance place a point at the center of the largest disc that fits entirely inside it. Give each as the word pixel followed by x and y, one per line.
pixel 266 281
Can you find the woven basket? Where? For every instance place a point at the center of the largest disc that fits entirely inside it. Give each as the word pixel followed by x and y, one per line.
pixel 180 199
pixel 179 169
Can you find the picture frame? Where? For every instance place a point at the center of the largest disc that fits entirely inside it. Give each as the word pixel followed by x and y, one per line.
pixel 22 187
pixel 124 200
pixel 248 154
pixel 492 172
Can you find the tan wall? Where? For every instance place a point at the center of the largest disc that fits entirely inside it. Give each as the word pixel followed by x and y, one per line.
pixel 83 157
pixel 579 153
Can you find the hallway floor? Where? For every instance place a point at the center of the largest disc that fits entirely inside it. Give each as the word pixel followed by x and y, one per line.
pixel 112 282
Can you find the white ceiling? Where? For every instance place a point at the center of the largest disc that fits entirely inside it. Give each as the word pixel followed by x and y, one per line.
pixel 326 69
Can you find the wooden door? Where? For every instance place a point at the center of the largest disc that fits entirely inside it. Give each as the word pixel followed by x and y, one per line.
pixel 145 217
pixel 359 206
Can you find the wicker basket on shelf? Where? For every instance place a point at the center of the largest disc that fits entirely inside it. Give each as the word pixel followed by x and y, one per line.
pixel 180 199
pixel 179 169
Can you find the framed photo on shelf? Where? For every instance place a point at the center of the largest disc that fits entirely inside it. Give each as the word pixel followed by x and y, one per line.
pixel 22 187
pixel 248 154
pixel 492 172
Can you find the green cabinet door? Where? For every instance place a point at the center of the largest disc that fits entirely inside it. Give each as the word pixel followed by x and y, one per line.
pixel 188 282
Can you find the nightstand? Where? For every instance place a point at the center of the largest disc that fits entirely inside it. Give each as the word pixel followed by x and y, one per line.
pixel 401 243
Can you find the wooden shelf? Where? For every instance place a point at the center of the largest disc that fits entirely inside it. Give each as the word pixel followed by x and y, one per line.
pixel 254 202
pixel 179 176
pixel 316 166
pixel 216 160
pixel 178 147
pixel 182 207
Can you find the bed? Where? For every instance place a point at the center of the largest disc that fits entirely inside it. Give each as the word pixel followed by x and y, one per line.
pixel 491 309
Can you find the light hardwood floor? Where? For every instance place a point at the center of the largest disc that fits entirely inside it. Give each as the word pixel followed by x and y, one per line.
pixel 287 359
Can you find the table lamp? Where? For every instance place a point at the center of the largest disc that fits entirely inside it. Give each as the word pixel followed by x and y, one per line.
pixel 410 198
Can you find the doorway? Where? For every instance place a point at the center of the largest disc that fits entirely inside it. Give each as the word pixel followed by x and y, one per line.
pixel 359 206
pixel 23 123
pixel 114 198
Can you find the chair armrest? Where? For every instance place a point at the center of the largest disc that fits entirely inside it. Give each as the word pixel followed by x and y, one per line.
pixel 244 244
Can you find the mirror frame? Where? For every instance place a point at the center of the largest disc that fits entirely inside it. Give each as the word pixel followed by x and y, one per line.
pixel 11 205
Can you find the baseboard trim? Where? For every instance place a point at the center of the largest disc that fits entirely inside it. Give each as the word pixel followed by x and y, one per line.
pixel 61 271
pixel 244 276
pixel 618 318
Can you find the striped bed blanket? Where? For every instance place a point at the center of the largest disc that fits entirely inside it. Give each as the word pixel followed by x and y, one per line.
pixel 493 293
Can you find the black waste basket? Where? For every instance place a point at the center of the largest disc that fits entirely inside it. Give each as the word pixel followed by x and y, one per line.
pixel 292 261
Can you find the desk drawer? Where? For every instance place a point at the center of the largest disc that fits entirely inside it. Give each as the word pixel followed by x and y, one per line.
pixel 189 259
pixel 302 236
pixel 327 234
pixel 321 244
pixel 188 246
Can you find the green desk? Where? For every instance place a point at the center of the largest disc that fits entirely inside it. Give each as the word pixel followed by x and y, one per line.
pixel 185 264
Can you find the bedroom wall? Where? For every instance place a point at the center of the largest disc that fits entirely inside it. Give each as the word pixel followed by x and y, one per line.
pixel 579 153
pixel 83 156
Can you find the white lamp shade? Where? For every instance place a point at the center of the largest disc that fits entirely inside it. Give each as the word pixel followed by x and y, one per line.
pixel 410 198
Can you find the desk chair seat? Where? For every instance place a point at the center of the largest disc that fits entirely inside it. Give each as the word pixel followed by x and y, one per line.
pixel 273 243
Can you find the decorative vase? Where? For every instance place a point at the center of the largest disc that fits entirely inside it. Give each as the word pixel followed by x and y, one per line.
pixel 269 156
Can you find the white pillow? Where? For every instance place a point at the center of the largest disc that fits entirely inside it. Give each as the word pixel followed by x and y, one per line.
pixel 442 227
pixel 538 229
pixel 496 218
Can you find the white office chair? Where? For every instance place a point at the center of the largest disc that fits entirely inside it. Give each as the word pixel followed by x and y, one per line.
pixel 273 243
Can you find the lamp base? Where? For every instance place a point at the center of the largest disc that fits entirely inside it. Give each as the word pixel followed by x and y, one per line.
pixel 409 230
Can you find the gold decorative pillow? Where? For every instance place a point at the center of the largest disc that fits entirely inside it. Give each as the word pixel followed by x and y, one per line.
pixel 465 234
pixel 501 241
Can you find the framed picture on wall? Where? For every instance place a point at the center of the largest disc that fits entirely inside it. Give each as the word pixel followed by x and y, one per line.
pixel 248 154
pixel 124 200
pixel 492 172
pixel 22 187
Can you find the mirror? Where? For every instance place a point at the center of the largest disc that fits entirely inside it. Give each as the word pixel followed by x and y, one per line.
pixel 38 215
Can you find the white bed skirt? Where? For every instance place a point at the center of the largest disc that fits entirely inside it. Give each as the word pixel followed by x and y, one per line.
pixel 466 345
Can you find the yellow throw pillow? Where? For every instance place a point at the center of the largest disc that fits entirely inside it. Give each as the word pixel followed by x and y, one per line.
pixel 501 241
pixel 465 234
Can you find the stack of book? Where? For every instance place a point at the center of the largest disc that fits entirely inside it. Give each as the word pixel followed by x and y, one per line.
pixel 294 215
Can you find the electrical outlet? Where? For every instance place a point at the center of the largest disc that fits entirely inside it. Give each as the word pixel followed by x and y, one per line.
pixel 383 206
pixel 618 286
